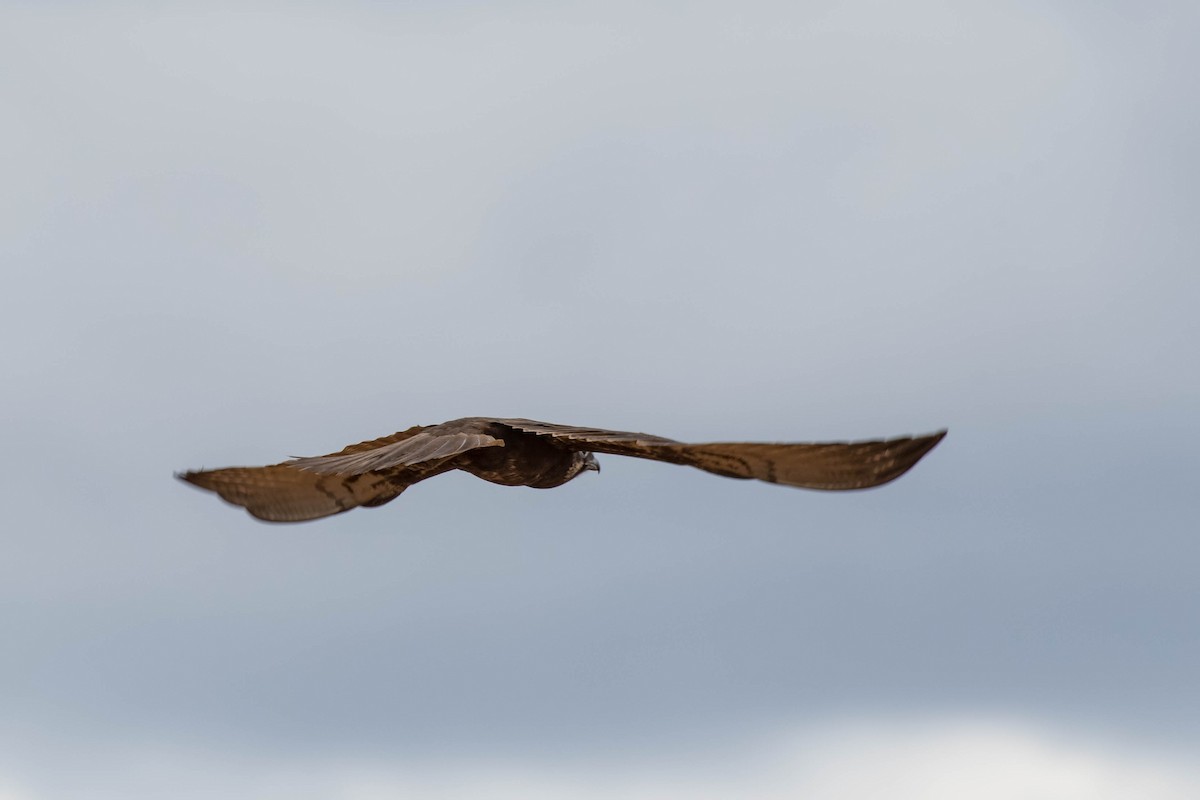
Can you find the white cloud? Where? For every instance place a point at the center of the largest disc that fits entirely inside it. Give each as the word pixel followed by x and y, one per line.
pixel 945 759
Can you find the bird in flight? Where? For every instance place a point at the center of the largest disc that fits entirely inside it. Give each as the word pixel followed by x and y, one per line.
pixel 522 452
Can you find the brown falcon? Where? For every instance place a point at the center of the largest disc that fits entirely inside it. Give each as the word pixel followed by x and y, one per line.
pixel 522 452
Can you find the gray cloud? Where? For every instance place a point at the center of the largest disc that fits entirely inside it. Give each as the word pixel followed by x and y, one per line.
pixel 236 235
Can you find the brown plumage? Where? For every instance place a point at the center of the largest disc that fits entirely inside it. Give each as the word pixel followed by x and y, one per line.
pixel 522 452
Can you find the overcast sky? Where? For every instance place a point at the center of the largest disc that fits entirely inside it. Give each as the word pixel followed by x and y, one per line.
pixel 235 233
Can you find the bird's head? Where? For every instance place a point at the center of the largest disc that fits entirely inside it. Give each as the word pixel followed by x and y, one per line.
pixel 583 462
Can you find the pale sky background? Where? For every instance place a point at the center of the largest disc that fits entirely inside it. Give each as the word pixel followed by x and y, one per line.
pixel 234 233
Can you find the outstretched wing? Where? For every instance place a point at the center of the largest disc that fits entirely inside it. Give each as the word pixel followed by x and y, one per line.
pixel 817 465
pixel 281 493
pixel 366 474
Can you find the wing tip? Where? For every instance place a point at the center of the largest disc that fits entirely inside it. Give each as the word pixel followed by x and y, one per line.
pixel 194 477
pixel 907 452
pixel 933 438
pixel 918 449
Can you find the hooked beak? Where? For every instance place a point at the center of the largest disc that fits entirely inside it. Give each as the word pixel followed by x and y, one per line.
pixel 590 462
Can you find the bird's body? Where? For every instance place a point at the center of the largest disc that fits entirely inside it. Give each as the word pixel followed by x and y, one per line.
pixel 522 452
